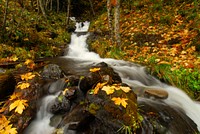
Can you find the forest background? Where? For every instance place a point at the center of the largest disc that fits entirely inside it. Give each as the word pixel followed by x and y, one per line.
pixel 163 35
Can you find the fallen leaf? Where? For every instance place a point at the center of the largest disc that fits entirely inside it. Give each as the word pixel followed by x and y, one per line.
pixel 108 89
pixel 27 76
pixel 6 127
pixel 18 105
pixel 94 69
pixel 125 89
pixel 23 85
pixel 98 86
pixel 118 101
pixel 15 95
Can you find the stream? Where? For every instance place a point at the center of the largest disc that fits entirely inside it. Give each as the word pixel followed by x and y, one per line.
pixel 79 58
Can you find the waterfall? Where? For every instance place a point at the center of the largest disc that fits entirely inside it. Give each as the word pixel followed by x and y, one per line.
pixel 132 74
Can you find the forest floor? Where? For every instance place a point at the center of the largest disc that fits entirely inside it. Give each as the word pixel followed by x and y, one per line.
pixel 163 37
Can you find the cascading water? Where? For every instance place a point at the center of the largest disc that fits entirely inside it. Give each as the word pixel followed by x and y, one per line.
pixel 135 76
pixel 131 74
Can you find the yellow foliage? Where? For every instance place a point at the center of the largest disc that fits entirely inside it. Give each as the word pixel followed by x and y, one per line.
pixel 108 89
pixel 125 89
pixel 23 85
pixel 118 101
pixel 14 96
pixel 27 76
pixel 98 86
pixel 5 127
pixel 18 105
pixel 94 69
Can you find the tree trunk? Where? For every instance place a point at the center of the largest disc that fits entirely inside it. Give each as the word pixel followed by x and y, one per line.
pixel 4 18
pixel 110 18
pixel 117 23
pixel 91 5
pixel 68 13
pixel 58 4
pixel 42 8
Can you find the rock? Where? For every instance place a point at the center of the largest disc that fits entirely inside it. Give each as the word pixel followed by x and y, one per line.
pixel 162 118
pixel 61 105
pixel 156 93
pixel 99 114
pixel 92 78
pixel 52 71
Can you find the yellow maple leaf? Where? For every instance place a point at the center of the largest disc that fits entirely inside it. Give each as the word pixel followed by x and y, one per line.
pixel 27 76
pixel 98 86
pixel 5 127
pixel 18 105
pixel 118 101
pixel 94 69
pixel 23 85
pixel 15 95
pixel 125 89
pixel 108 89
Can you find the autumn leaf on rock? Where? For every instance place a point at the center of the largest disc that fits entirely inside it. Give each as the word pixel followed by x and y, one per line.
pixel 27 76
pixel 23 85
pixel 98 86
pixel 125 89
pixel 118 101
pixel 94 69
pixel 18 105
pixel 5 127
pixel 14 96
pixel 108 89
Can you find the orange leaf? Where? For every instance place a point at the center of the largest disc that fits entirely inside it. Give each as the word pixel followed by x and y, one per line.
pixel 94 69
pixel 118 101
pixel 108 89
pixel 18 105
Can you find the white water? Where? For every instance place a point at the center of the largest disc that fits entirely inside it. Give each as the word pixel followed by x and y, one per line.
pixel 132 74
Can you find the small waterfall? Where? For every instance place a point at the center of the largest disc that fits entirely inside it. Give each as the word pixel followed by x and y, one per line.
pixel 41 124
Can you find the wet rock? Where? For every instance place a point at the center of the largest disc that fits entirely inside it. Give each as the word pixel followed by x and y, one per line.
pixel 55 120
pixel 61 105
pixel 99 114
pixel 155 93
pixel 92 78
pixel 52 71
pixel 162 118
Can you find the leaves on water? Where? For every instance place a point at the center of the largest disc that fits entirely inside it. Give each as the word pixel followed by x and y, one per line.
pixel 18 105
pixel 120 101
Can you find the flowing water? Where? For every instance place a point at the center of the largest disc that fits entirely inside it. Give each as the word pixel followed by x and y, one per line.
pixel 132 74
